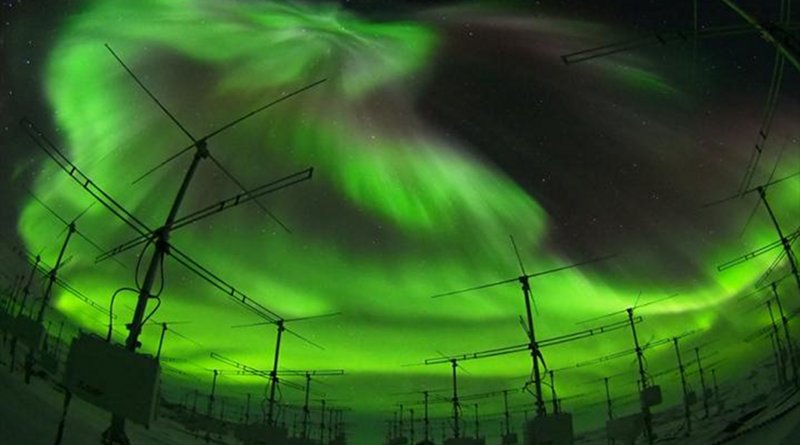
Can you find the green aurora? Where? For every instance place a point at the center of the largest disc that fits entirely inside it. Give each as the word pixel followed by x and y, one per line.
pixel 397 211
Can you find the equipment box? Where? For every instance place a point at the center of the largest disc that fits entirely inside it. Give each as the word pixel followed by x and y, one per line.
pixel 113 378
pixel 261 434
pixel 552 429
pixel 625 429
pixel 651 396
pixel 29 331
pixel 6 320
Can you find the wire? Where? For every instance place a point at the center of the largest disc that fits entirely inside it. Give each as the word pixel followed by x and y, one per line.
pixel 139 261
pixel 158 305
pixel 111 309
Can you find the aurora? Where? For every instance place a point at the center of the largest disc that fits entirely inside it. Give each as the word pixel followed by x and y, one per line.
pixel 424 167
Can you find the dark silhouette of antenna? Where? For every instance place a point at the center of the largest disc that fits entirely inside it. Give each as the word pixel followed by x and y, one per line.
pixel 306 409
pixel 786 48
pixel 776 34
pixel 195 142
pixel 663 38
pixel 790 346
pixel 52 276
pixel 280 324
pixel 426 420
pixel 524 280
pixel 160 239
pixel 650 395
pixel 687 410
pixel 784 241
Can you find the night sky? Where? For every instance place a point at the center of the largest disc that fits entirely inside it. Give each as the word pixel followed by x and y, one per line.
pixel 441 130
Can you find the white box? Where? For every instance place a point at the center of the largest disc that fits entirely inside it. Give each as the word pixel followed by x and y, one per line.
pixel 261 434
pixel 111 377
pixel 625 429
pixel 552 429
pixel 29 331
pixel 651 396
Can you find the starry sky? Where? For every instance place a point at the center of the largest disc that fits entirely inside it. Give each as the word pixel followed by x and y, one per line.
pixel 442 128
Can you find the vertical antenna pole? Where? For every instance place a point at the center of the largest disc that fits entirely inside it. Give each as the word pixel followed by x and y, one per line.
pixel 273 375
pixel 161 340
pixel 780 364
pixel 506 414
pixel 401 427
pixel 784 241
pixel 537 378
pixel 427 419
pixel 477 424
pixel 789 342
pixel 608 406
pixel 52 276
pixel 247 410
pixel 456 426
pixel 553 391
pixel 322 424
pixel 702 380
pixel 116 432
pixel 687 413
pixel 411 424
pixel 210 409
pixel 306 410
pixel 27 289
pixel 648 420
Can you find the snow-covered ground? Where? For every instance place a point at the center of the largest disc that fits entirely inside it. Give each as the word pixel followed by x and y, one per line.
pixel 753 414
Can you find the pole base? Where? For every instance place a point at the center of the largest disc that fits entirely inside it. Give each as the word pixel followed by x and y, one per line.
pixel 115 434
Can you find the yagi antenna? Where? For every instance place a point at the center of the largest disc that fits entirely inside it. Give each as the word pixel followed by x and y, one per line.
pixel 160 239
pixel 524 280
pixel 69 224
pixel 784 241
pixel 280 324
pixel 197 142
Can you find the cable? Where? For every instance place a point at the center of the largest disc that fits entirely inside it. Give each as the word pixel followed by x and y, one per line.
pixel 139 262
pixel 158 305
pixel 111 309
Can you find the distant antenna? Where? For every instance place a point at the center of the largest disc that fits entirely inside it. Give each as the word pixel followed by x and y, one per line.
pixel 195 142
pixel 160 238
pixel 524 280
pixel 687 410
pixel 650 395
pixel 783 240
pixel 280 324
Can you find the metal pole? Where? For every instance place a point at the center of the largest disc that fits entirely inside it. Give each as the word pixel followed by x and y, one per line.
pixel 506 414
pixel 608 406
pixel 456 428
pixel 780 365
pixel 161 340
pixel 648 420
pixel 27 289
pixel 686 409
pixel 477 424
pixel 322 424
pixel 553 391
pixel 116 432
pixel 306 410
pixel 789 342
pixel 273 375
pixel 52 278
pixel 247 411
pixel 210 409
pixel 784 46
pixel 537 378
pixel 784 241
pixel 702 380
pixel 427 419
